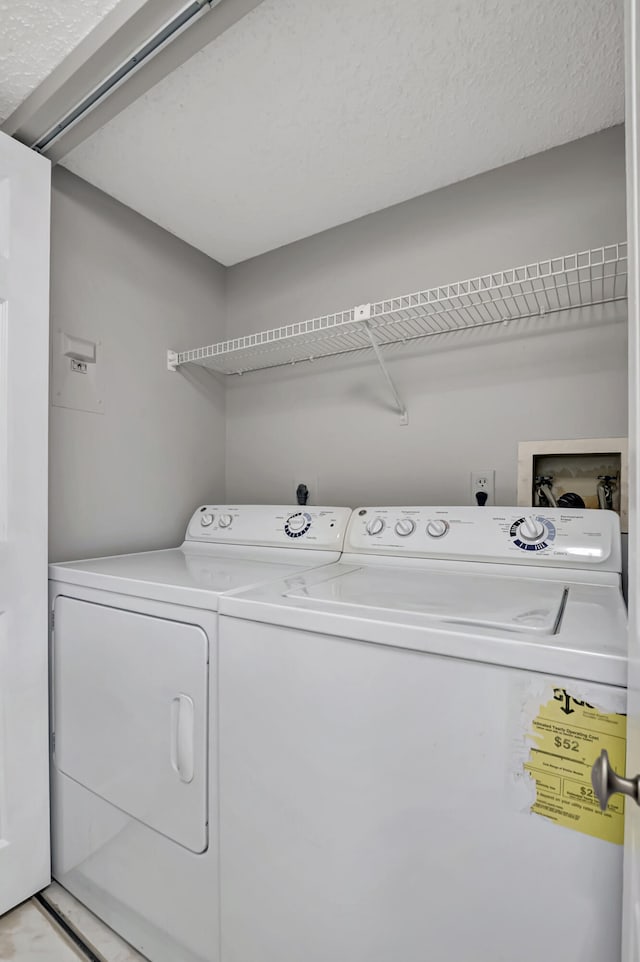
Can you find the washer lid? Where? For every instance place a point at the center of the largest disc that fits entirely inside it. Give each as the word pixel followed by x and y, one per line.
pixel 565 623
pixel 481 600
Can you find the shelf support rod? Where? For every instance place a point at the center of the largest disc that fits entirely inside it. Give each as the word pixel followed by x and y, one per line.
pixel 402 409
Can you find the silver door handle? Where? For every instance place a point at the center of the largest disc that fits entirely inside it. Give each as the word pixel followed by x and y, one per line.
pixel 606 782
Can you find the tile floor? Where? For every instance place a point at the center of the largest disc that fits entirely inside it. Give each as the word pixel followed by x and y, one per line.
pixel 29 934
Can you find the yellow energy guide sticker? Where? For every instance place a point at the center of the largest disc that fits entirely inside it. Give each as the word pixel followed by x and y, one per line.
pixel 566 737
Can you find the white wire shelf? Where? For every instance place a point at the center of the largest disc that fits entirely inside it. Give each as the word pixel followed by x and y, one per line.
pixel 573 281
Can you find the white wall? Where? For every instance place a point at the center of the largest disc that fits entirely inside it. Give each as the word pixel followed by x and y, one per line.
pixel 471 398
pixel 129 479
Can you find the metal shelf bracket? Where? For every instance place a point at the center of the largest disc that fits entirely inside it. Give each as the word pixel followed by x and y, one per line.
pixel 172 360
pixel 363 313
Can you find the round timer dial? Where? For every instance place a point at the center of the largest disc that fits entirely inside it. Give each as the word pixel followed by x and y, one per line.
pixel 375 526
pixel 437 528
pixel 405 527
pixel 533 533
pixel 297 524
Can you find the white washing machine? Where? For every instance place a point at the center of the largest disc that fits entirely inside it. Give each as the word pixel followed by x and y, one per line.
pixel 406 739
pixel 134 718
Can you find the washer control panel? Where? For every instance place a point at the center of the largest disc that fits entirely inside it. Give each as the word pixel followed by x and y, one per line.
pixel 557 537
pixel 269 525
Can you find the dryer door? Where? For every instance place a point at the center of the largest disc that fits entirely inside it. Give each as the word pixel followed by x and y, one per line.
pixel 130 714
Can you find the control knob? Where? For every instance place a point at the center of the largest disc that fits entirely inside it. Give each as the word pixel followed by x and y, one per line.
pixel 405 527
pixel 531 529
pixel 375 526
pixel 225 520
pixel 206 520
pixel 296 522
pixel 437 528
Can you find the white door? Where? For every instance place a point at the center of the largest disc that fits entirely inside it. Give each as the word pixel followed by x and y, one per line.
pixel 631 912
pixel 24 332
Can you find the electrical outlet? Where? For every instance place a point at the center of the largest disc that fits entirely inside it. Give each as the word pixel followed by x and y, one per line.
pixel 483 482
pixel 312 485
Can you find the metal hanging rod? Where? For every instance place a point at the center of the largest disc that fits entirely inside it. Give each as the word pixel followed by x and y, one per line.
pixel 175 26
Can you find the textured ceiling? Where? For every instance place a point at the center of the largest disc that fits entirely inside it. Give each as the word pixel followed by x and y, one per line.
pixel 35 37
pixel 306 115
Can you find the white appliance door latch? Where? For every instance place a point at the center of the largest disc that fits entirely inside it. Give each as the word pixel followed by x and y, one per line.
pixel 182 733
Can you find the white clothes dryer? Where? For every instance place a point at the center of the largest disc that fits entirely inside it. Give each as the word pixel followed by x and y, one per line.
pixel 406 740
pixel 134 718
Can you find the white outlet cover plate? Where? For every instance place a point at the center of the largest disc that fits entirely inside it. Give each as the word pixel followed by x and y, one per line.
pixel 489 488
pixel 73 389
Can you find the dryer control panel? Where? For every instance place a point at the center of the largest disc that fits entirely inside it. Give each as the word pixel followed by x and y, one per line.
pixel 278 526
pixel 532 536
